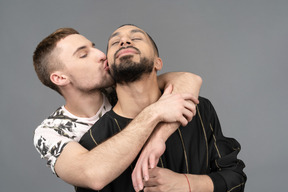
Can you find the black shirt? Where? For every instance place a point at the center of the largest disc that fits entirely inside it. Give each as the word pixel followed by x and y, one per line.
pixel 198 148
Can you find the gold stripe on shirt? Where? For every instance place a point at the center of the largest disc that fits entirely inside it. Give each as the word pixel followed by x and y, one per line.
pixel 204 132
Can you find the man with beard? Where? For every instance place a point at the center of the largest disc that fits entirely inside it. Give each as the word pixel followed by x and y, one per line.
pixel 69 63
pixel 197 157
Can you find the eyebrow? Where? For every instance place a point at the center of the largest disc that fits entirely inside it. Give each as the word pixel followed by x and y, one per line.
pixel 132 31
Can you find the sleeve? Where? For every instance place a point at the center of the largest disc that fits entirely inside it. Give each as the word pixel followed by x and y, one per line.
pixel 102 130
pixel 226 169
pixel 49 141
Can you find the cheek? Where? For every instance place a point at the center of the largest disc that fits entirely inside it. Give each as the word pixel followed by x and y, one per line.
pixel 110 55
pixel 110 61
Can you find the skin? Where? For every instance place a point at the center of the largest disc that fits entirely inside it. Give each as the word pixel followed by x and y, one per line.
pixel 133 97
pixel 85 71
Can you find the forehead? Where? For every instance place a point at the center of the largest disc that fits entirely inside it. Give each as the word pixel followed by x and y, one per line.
pixel 127 29
pixel 72 42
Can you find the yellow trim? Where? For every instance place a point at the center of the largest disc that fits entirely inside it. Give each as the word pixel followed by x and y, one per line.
pixel 119 128
pixel 162 165
pixel 90 132
pixel 215 141
pixel 216 163
pixel 235 187
pixel 117 124
pixel 236 149
pixel 185 153
pixel 204 135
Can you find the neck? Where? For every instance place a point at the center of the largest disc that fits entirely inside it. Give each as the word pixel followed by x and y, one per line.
pixel 134 97
pixel 83 104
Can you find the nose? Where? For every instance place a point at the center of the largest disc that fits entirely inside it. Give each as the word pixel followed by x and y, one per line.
pixel 125 41
pixel 100 55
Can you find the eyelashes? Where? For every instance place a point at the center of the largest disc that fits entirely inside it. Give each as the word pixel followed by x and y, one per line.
pixel 132 39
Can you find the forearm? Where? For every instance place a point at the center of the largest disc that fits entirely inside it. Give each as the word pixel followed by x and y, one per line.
pixel 183 82
pixel 164 131
pixel 98 167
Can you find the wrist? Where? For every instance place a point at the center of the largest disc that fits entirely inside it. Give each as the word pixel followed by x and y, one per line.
pixel 200 183
pixel 155 116
pixel 165 130
pixel 189 186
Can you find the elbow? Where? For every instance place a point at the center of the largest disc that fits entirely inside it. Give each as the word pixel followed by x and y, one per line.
pixel 196 82
pixel 196 78
pixel 96 187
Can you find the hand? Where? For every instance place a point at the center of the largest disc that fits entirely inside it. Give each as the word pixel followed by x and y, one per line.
pixel 175 107
pixel 148 159
pixel 162 179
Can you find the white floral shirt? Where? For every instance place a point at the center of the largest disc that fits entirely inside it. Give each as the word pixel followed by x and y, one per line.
pixel 61 127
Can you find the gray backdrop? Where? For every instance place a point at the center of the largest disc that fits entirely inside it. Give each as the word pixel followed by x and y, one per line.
pixel 239 48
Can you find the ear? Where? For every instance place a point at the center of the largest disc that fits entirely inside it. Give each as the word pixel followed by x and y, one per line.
pixel 59 79
pixel 158 64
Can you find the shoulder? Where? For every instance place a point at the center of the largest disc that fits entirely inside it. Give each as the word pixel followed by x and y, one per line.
pixel 60 126
pixel 107 118
pixel 205 108
pixel 107 126
pixel 204 103
pixel 110 120
pixel 99 132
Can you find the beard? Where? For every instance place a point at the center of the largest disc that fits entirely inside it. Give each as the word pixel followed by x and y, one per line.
pixel 128 71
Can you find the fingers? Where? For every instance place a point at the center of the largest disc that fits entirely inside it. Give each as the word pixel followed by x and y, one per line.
pixel 187 112
pixel 190 110
pixel 188 96
pixel 145 170
pixel 182 105
pixel 183 121
pixel 141 172
pixel 137 178
pixel 194 99
pixel 168 89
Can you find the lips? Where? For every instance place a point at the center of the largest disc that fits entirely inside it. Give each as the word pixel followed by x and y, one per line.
pixel 106 66
pixel 127 51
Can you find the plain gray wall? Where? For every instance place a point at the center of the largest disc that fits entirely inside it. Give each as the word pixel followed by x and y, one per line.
pixel 239 48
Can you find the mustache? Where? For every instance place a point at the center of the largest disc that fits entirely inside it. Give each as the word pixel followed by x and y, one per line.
pixel 138 51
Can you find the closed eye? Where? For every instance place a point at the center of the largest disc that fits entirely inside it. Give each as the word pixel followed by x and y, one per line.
pixel 83 56
pixel 133 39
pixel 115 43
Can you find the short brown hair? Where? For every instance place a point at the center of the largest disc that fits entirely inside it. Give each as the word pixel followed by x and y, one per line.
pixel 44 61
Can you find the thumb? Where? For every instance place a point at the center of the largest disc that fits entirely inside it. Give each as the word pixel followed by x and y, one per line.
pixel 168 89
